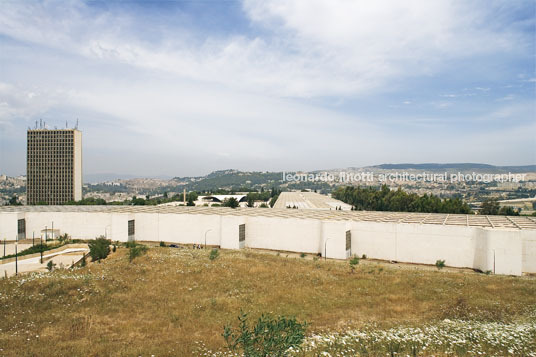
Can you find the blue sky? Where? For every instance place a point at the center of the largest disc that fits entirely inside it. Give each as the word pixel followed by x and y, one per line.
pixel 180 88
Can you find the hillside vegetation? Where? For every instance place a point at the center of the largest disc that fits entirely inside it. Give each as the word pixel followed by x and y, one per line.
pixel 176 301
pixel 385 199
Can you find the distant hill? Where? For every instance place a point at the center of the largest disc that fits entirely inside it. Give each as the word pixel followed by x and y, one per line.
pixel 230 179
pixel 102 177
pixel 458 166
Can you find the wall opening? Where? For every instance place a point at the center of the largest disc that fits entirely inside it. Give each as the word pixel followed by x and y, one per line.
pixel 21 229
pixel 348 244
pixel 131 230
pixel 242 236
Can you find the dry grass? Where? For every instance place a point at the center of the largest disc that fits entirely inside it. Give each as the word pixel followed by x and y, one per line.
pixel 168 301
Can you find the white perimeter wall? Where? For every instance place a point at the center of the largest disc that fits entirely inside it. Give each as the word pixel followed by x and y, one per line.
pixel 529 251
pixel 503 251
pixel 496 250
pixel 8 225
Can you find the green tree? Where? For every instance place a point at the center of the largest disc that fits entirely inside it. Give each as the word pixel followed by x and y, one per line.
pixel 273 200
pixel 14 201
pixel 508 211
pixel 231 202
pixel 490 207
pixel 385 199
pixel 137 201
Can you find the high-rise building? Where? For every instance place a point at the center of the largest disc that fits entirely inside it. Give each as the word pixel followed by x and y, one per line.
pixel 54 166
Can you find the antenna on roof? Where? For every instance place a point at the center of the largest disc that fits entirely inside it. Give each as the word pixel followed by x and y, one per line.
pixel 40 123
pixel 66 125
pixel 76 127
pixel 36 124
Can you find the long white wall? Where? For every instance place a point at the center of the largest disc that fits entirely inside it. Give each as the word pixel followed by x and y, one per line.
pixel 496 250
pixel 503 251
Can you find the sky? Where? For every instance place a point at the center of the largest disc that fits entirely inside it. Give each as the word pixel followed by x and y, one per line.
pixel 183 88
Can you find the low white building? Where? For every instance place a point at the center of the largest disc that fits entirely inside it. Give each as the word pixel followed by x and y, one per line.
pixel 504 245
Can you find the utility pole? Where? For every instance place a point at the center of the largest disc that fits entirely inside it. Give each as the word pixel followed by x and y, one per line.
pixel 16 258
pixel 206 237
pixel 41 249
pixel 326 249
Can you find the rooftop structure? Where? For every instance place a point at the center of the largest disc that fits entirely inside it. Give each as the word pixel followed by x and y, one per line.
pixel 467 220
pixel 309 200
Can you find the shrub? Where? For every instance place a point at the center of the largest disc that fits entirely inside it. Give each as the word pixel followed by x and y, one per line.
pixel 364 256
pixel 353 262
pixel 114 248
pixel 162 244
pixel 136 251
pixel 83 263
pixel 271 336
pixel 50 265
pixel 63 239
pixel 32 250
pixel 302 255
pixel 440 264
pixel 130 244
pixel 213 254
pixel 99 248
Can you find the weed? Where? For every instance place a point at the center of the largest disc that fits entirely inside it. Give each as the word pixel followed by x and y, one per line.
pixel 440 264
pixel 271 336
pixel 50 265
pixel 214 253
pixel 353 263
pixel 136 251
pixel 83 263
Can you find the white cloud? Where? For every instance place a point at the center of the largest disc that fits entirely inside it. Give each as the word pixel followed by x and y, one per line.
pixel 311 48
pixel 506 98
pixel 23 103
pixel 217 101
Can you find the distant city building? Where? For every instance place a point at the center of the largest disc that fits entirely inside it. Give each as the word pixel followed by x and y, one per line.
pixel 54 166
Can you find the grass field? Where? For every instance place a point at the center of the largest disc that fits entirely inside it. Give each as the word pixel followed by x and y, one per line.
pixel 176 301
